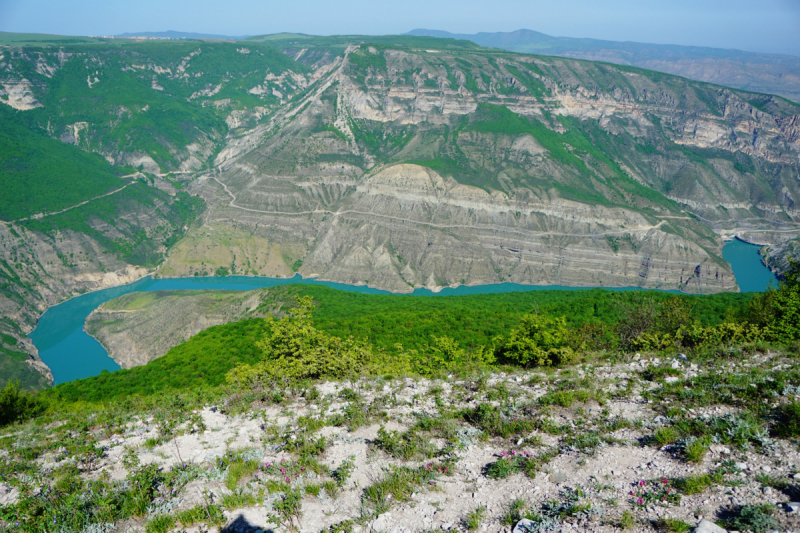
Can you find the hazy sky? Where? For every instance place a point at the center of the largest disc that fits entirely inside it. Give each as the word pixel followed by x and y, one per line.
pixel 756 25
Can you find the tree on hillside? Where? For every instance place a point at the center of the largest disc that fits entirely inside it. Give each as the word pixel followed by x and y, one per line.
pixel 785 306
pixel 295 349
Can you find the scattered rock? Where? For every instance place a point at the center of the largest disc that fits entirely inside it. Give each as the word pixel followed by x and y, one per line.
pixel 382 523
pixel 793 507
pixel 524 526
pixel 704 526
pixel 767 491
pixel 766 468
pixel 558 477
pixel 741 466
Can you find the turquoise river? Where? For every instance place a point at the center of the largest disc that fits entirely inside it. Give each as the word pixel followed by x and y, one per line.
pixel 73 354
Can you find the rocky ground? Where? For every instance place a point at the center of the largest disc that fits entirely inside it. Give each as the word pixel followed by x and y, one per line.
pixel 577 449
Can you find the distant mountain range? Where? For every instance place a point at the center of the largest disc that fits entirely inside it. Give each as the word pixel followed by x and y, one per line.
pixel 764 73
pixel 170 34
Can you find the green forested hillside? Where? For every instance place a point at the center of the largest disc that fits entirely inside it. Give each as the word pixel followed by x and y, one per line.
pixel 151 99
pixel 384 322
pixel 39 174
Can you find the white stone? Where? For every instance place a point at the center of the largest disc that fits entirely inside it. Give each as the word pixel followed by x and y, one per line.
pixel 704 526
pixel 382 522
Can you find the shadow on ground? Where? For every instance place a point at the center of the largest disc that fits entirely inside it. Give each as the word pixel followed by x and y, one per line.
pixel 241 525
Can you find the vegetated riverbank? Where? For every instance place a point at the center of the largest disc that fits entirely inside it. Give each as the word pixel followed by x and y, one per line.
pixel 139 327
pixel 72 354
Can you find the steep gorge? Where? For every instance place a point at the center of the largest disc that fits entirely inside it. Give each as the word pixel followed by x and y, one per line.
pixel 396 162
pixel 404 168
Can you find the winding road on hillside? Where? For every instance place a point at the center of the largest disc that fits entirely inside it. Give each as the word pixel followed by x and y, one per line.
pixel 232 204
pixel 38 216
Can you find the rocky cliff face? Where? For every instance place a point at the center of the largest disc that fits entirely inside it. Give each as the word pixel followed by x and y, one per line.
pixel 408 168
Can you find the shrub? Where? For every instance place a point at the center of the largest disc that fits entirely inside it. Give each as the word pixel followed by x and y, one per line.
pixel 695 449
pixel 295 349
pixel 665 436
pixel 673 525
pixel 538 341
pixel 474 519
pixel 638 314
pixel 693 484
pixel 160 524
pixel 755 518
pixel 785 306
pixel 17 405
pixel 288 510
pixel 489 418
pixel 788 420
pixel 627 520
pixel 514 512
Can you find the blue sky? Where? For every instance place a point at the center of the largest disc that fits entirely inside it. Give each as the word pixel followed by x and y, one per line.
pixel 755 25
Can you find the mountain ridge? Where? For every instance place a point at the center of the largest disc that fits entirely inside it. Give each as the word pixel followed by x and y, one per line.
pixel 774 73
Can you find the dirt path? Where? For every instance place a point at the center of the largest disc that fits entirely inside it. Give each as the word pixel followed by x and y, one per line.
pixel 38 216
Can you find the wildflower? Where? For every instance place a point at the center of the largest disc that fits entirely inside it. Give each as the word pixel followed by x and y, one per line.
pixel 642 483
pixel 640 501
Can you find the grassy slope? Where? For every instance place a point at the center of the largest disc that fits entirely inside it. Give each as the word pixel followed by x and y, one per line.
pixel 39 174
pixel 382 320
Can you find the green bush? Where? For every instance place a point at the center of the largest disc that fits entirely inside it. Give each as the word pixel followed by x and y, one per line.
pixel 696 449
pixel 788 420
pixel 693 484
pixel 755 518
pixel 665 436
pixel 785 303
pixel 160 524
pixel 295 349
pixel 17 405
pixel 491 420
pixel 697 336
pixel 538 341
pixel 474 519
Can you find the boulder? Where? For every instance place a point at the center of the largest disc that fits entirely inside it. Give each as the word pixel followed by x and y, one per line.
pixel 524 526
